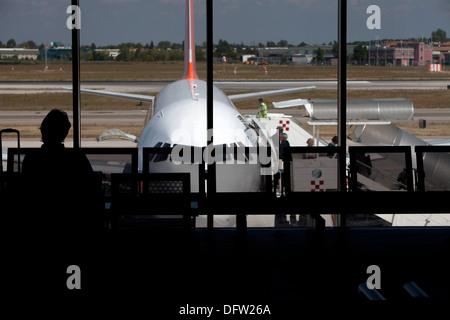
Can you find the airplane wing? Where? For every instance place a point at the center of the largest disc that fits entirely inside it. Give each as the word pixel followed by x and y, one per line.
pixel 116 134
pixel 129 96
pixel 254 95
pixel 294 103
pixel 290 103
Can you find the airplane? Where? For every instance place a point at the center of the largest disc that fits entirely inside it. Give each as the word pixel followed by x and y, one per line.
pixel 178 116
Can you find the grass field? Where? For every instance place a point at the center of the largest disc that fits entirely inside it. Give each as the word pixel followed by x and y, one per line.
pixel 63 100
pixel 62 70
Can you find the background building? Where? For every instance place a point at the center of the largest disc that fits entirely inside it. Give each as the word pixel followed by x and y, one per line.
pixel 401 54
pixel 57 51
pixel 19 53
pixel 441 53
pixel 292 55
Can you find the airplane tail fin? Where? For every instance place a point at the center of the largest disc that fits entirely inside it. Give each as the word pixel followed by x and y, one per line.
pixel 189 43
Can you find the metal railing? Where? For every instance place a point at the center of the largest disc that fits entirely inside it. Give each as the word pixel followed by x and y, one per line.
pixel 314 204
pixel 403 152
pixel 383 178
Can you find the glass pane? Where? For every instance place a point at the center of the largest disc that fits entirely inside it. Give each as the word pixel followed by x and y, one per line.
pixel 381 171
pixel 258 55
pixel 391 99
pixel 390 67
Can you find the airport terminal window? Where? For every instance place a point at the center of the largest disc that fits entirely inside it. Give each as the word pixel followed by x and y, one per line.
pixel 388 54
pixel 384 77
pixel 375 57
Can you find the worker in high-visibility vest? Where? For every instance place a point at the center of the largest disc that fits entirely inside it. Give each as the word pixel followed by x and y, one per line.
pixel 262 108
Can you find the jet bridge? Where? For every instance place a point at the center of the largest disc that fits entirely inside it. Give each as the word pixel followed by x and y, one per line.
pixel 363 110
pixel 372 119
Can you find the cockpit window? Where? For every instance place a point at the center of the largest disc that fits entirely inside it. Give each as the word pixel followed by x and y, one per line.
pixel 152 155
pixel 161 157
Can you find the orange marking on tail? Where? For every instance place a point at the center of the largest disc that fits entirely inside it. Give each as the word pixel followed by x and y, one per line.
pixel 189 43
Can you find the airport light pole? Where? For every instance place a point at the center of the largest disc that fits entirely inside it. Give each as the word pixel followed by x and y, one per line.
pixel 76 95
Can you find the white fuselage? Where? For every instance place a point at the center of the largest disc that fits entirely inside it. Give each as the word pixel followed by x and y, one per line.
pixel 180 119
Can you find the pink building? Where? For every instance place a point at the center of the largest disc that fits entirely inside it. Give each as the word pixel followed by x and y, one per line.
pixel 423 54
pixel 402 54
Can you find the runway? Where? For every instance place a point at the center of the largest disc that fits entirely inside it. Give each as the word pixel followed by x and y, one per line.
pixel 30 87
pixel 136 117
pixel 332 85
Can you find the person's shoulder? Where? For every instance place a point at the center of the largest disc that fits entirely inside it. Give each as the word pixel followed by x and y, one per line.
pixel 34 155
pixel 35 161
pixel 79 158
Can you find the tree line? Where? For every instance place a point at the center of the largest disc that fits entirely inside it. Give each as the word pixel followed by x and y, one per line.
pixel 169 51
pixel 11 43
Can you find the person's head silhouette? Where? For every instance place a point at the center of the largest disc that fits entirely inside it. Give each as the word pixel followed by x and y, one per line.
pixel 55 127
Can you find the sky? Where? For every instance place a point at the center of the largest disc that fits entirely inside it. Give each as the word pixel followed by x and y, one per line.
pixel 110 22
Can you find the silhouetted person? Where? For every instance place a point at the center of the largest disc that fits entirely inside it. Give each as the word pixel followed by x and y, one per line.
pixel 282 142
pixel 59 180
pixel 276 141
pixel 285 173
pixel 286 156
pixel 61 203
